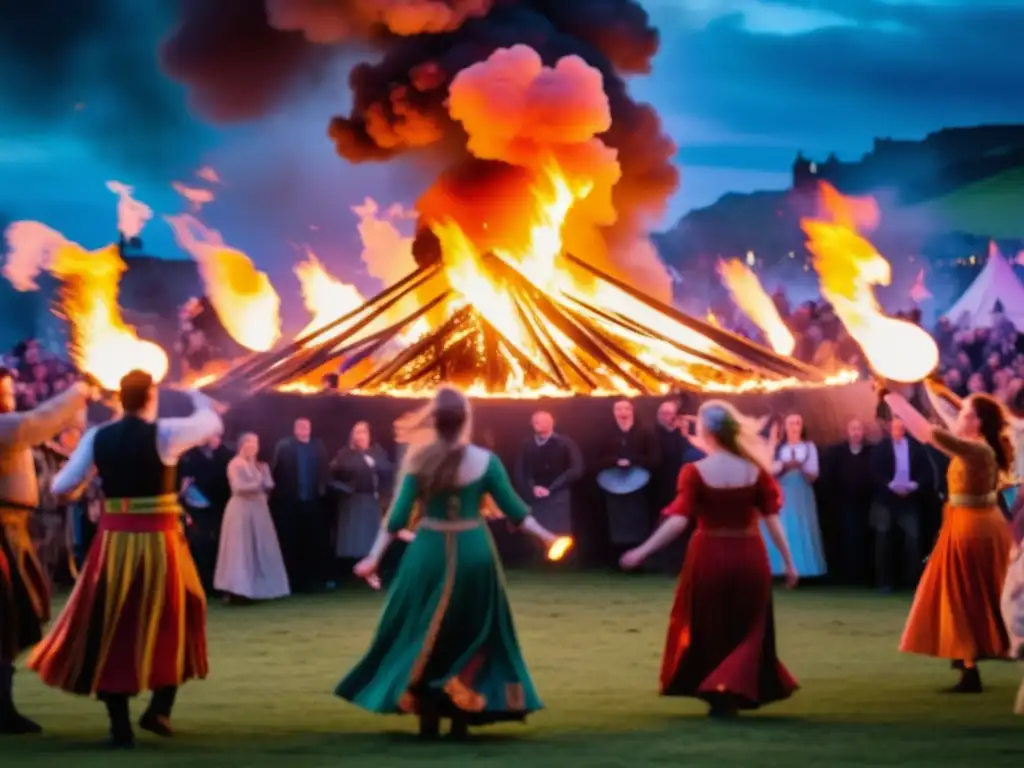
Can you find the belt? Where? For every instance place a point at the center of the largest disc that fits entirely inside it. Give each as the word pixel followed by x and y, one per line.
pixel 14 512
pixel 166 504
pixel 973 501
pixel 448 526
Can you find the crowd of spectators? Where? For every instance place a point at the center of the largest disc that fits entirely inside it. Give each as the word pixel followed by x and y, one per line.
pixel 41 374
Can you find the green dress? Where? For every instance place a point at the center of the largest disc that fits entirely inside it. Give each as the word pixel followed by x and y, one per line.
pixel 446 642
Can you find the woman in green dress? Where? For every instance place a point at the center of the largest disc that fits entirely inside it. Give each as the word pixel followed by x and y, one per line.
pixel 446 646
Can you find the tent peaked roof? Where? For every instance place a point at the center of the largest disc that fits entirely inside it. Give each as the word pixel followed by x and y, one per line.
pixel 996 288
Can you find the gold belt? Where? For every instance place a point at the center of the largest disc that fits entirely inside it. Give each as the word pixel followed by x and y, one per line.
pixel 167 504
pixel 973 501
pixel 449 526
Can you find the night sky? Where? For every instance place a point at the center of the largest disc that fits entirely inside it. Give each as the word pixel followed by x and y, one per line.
pixel 741 85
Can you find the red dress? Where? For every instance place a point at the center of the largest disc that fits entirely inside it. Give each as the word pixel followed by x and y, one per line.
pixel 721 635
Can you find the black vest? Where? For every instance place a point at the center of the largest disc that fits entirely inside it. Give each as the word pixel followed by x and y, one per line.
pixel 128 462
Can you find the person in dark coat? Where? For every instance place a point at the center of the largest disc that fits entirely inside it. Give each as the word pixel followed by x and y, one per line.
pixel 362 473
pixel 903 486
pixel 628 457
pixel 676 452
pixel 300 471
pixel 547 466
pixel 205 469
pixel 846 484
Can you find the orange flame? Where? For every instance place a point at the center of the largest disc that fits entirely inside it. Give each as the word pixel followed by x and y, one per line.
pixel 559 548
pixel 102 343
pixel 243 297
pixel 849 267
pixel 326 297
pixel 752 299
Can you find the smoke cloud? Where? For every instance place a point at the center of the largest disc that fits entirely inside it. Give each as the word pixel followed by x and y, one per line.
pixel 400 96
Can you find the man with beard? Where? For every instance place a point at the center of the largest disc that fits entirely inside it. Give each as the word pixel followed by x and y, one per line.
pixel 24 591
pixel 676 452
pixel 205 469
pixel 549 463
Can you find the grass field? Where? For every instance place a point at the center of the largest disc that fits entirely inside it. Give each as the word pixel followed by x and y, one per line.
pixel 593 643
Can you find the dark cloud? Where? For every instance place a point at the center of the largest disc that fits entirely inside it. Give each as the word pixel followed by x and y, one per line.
pixel 90 67
pixel 893 69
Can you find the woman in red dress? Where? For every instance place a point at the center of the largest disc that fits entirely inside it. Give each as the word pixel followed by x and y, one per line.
pixel 721 634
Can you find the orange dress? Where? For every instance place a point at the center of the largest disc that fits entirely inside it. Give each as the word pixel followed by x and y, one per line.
pixel 956 611
pixel 721 634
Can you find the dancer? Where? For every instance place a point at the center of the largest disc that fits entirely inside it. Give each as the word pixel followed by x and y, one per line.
pixel 796 467
pixel 249 561
pixel 24 592
pixel 721 635
pixel 1013 595
pixel 956 612
pixel 136 619
pixel 446 646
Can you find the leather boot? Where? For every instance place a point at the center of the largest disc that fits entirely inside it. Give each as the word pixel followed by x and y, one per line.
pixel 12 722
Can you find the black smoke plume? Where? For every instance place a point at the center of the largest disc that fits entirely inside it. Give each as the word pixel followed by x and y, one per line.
pixel 241 58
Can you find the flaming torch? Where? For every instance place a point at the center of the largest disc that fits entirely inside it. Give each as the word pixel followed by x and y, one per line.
pixel 849 267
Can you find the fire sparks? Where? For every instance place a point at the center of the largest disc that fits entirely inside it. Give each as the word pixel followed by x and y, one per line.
pixel 243 297
pixel 101 343
pixel 752 299
pixel 849 268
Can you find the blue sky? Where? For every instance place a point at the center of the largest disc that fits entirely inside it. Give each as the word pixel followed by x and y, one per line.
pixel 741 85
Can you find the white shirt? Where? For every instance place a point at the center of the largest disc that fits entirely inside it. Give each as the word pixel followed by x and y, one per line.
pixel 173 438
pixel 901 479
pixel 804 453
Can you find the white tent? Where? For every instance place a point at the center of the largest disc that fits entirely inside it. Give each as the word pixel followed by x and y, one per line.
pixel 995 289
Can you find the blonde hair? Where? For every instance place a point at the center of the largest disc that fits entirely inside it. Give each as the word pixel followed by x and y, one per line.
pixel 436 436
pixel 735 433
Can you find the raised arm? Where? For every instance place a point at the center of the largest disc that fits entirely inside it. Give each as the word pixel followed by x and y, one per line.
pixel 175 436
pixel 30 428
pixel 74 476
pixel 944 402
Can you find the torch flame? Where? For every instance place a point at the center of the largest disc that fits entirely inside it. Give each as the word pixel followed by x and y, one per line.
pixel 243 297
pixel 849 267
pixel 559 548
pixel 101 343
pixel 752 299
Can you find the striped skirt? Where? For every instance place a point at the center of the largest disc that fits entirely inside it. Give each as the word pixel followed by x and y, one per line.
pixel 136 620
pixel 24 589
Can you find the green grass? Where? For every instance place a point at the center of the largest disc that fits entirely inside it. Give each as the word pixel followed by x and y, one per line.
pixel 993 207
pixel 594 645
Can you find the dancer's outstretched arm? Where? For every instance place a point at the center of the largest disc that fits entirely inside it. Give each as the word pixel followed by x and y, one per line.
pixel 670 530
pixel 917 425
pixel 499 486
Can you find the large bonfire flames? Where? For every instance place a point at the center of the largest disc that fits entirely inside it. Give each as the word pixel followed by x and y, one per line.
pixel 530 271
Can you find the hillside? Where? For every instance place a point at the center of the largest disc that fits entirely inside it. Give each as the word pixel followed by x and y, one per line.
pixel 957 183
pixel 993 206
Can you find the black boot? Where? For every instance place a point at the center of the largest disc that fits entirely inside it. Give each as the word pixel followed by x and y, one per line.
pixel 430 725
pixel 970 681
pixel 121 734
pixel 12 722
pixel 459 729
pixel 157 719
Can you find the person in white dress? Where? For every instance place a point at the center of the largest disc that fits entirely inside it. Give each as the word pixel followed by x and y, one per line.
pixel 249 563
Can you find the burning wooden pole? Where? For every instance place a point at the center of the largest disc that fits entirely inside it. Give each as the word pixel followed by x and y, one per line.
pixel 731 342
pixel 375 307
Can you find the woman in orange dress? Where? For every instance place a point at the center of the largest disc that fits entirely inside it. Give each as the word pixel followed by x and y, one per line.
pixel 956 612
pixel 721 635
